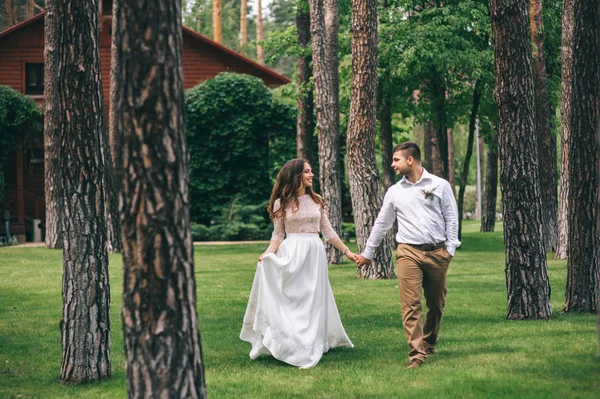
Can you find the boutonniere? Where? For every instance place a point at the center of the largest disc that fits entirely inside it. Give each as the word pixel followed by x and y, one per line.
pixel 428 192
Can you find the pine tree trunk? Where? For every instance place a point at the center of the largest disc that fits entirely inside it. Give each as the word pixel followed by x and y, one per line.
pixel 546 139
pixel 451 170
pixel 428 139
pixel 365 187
pixel 75 111
pixel 216 20
pixel 527 285
pixel 387 145
pixel 583 265
pixel 160 322
pixel 566 101
pixel 113 152
pixel 464 176
pixel 488 217
pixel 259 33
pixel 304 123
pixel 325 70
pixel 244 24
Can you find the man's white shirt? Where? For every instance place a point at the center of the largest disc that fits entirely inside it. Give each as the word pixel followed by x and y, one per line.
pixel 426 212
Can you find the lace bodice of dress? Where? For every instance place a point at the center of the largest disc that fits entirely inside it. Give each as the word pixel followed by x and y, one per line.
pixel 309 218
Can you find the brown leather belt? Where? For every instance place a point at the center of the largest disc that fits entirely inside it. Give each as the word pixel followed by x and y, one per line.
pixel 428 247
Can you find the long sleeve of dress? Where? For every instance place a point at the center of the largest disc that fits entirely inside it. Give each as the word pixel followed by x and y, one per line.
pixel 278 225
pixel 325 226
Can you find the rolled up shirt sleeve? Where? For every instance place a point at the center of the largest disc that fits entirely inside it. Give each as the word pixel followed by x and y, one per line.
pixel 450 213
pixel 384 221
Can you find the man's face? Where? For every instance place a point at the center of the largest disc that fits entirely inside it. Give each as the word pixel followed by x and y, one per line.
pixel 400 163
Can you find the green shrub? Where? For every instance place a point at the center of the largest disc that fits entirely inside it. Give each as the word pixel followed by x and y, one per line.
pixel 18 114
pixel 232 121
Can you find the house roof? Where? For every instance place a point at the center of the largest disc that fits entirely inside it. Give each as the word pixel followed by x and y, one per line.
pixel 218 47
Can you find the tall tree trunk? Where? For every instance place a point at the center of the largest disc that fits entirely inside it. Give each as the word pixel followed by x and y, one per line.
pixel 259 33
pixel 546 139
pixel 365 187
pixel 464 176
pixel 304 123
pixel 583 265
pixel 488 217
pixel 451 170
pixel 325 65
pixel 434 159
pixel 244 24
pixel 76 120
pixel 160 322
pixel 216 21
pixel 10 20
pixel 566 102
pixel 112 153
pixel 527 285
pixel 387 145
pixel 428 135
pixel 440 126
pixel 481 168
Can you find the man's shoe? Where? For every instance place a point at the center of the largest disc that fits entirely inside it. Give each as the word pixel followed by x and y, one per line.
pixel 414 363
pixel 429 351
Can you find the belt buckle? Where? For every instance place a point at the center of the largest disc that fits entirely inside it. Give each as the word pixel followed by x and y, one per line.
pixel 428 247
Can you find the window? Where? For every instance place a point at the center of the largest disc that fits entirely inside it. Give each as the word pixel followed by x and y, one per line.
pixel 34 78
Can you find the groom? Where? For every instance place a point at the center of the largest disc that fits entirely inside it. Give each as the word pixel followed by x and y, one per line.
pixel 427 215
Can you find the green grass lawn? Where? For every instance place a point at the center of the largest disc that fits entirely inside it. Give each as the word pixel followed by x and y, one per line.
pixel 480 354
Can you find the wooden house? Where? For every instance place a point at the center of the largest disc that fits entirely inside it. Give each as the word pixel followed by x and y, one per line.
pixel 22 68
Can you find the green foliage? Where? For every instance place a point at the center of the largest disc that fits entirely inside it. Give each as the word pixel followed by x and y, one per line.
pixel 18 114
pixel 237 136
pixel 236 222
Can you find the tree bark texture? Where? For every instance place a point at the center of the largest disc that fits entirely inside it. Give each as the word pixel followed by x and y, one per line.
pixel 583 271
pixel 77 122
pixel 365 186
pixel 439 89
pixel 488 217
pixel 464 176
pixel 527 285
pixel 304 123
pixel 260 57
pixel 216 21
pixel 113 152
pixel 160 323
pixel 566 102
pixel 387 144
pixel 325 70
pixel 545 136
pixel 243 23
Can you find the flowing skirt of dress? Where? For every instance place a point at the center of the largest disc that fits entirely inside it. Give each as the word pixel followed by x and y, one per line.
pixel 291 312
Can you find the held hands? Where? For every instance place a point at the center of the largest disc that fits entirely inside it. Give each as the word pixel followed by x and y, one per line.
pixel 362 261
pixel 351 256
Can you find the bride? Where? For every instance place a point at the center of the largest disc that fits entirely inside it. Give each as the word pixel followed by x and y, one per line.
pixel 291 312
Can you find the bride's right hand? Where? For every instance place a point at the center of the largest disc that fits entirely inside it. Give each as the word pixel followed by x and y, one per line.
pixel 260 258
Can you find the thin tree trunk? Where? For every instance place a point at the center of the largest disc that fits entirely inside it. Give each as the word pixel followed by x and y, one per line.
pixel 112 153
pixel 9 13
pixel 488 217
pixel 481 166
pixel 566 101
pixel 325 67
pixel 365 186
pixel 244 24
pixel 304 123
pixel 546 139
pixel 259 33
pixel 76 120
pixel 387 145
pixel 440 128
pixel 216 21
pixel 583 265
pixel 464 176
pixel 527 285
pixel 428 135
pixel 199 16
pixel 451 170
pixel 160 322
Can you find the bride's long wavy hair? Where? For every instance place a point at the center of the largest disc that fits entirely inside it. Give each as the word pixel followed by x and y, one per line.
pixel 289 181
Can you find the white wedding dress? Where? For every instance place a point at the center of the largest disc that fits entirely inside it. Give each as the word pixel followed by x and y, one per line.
pixel 291 313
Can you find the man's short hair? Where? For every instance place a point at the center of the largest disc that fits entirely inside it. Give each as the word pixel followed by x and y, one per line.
pixel 410 148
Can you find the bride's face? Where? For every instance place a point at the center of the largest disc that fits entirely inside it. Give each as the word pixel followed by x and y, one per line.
pixel 307 176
